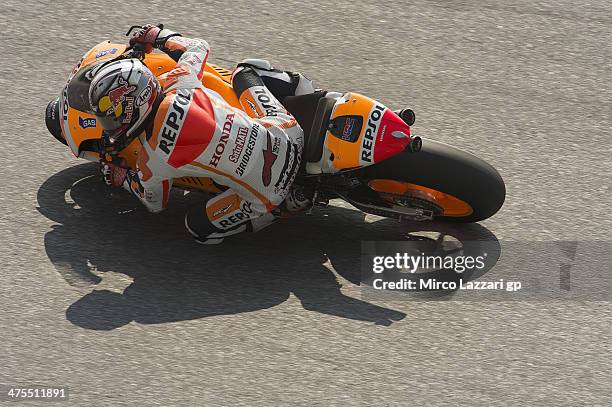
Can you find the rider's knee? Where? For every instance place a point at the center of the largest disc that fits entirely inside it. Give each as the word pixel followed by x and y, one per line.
pixel 281 83
pixel 257 63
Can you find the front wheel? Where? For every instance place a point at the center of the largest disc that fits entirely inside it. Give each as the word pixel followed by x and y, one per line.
pixel 455 185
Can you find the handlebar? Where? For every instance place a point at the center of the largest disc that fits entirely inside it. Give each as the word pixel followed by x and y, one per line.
pixel 137 50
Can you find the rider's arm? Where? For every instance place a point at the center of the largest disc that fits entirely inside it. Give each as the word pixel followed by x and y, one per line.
pixel 151 189
pixel 190 53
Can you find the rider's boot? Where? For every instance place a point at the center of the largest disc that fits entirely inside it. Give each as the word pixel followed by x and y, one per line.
pixel 298 201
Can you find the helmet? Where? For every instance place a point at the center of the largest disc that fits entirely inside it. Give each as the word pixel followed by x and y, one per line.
pixel 123 94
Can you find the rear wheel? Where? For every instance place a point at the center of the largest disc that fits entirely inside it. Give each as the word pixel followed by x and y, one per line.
pixel 453 184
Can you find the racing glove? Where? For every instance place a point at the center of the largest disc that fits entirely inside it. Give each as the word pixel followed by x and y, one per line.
pixel 151 36
pixel 114 175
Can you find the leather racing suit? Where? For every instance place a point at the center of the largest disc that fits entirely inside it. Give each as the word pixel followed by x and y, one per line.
pixel 255 153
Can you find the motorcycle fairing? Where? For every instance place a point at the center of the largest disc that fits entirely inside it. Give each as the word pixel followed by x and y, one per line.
pixel 360 132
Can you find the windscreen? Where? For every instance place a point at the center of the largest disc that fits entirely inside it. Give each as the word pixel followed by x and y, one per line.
pixel 78 88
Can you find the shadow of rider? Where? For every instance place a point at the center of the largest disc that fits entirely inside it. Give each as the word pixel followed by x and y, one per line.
pixel 102 232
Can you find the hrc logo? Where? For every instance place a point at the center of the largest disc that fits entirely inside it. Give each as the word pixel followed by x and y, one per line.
pixel 348 127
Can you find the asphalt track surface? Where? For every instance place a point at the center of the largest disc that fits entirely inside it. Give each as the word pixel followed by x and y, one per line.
pixel 121 306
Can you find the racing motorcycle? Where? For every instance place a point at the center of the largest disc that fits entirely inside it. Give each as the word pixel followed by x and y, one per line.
pixel 356 150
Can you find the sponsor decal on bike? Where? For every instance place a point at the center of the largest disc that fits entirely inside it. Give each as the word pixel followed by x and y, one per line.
pixel 241 137
pixel 106 52
pixel 245 213
pixel 64 122
pixel 368 140
pixel 248 151
pixel 65 103
pixel 225 133
pixel 174 120
pixel 349 125
pixel 347 128
pixel 382 132
pixel 87 123
pixel 270 154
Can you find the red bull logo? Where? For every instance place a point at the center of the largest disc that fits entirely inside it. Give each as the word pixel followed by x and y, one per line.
pixel 116 97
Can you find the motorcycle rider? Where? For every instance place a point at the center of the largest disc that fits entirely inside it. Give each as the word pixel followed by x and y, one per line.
pixel 188 130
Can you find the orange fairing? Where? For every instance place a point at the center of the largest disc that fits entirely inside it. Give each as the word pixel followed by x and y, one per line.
pixel 361 132
pixel 101 52
pixel 452 206
pixel 219 80
pixel 345 154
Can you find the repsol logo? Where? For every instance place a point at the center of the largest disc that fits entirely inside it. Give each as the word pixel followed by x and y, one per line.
pixel 367 144
pixel 239 217
pixel 174 120
pixel 225 133
pixel 266 102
